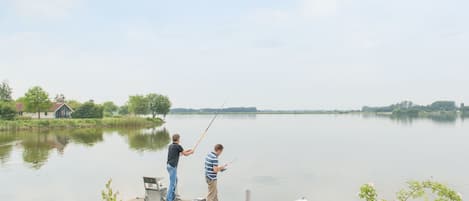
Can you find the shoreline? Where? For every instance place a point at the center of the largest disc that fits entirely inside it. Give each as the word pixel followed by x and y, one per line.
pixel 69 124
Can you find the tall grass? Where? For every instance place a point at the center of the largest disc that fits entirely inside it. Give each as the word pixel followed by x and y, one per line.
pixel 35 124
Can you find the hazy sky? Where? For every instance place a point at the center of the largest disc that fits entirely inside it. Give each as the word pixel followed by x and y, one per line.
pixel 279 54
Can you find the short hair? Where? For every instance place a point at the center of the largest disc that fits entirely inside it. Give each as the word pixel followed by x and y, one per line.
pixel 176 137
pixel 218 147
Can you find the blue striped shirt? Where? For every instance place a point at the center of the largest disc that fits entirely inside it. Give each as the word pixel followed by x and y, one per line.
pixel 211 161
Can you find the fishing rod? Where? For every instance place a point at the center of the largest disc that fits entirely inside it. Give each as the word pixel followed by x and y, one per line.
pixel 209 125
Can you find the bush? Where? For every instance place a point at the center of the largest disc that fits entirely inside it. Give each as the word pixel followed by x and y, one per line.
pixel 7 111
pixel 88 110
pixel 415 190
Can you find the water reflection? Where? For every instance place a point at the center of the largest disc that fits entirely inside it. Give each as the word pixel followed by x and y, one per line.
pixel 36 147
pixel 447 118
pixel 148 139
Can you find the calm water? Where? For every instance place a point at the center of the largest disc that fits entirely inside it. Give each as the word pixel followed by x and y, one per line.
pixel 278 157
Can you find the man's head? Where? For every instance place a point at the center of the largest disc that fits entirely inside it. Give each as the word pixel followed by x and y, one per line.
pixel 176 138
pixel 218 149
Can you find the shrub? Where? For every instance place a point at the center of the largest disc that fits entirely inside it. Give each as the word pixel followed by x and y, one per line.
pixel 7 111
pixel 88 110
pixel 415 190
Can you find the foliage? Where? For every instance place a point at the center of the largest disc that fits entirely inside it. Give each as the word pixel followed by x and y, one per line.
pixel 44 124
pixel 88 110
pixel 5 92
pixel 109 109
pixel 108 194
pixel 138 105
pixel 36 100
pixel 158 104
pixel 74 104
pixel 443 106
pixel 368 192
pixel 124 110
pixel 7 110
pixel 415 191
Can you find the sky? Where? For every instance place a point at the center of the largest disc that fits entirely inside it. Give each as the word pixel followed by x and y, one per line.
pixel 275 54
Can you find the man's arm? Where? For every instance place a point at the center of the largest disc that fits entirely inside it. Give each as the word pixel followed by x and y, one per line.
pixel 219 168
pixel 187 152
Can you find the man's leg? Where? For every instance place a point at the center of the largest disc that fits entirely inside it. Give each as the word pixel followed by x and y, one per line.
pixel 212 190
pixel 172 183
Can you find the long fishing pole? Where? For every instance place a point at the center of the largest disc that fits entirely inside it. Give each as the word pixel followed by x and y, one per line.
pixel 208 127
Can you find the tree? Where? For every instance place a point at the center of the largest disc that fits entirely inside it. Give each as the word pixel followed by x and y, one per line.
pixel 124 110
pixel 138 105
pixel 443 106
pixel 5 92
pixel 37 100
pixel 158 104
pixel 88 110
pixel 109 108
pixel 74 104
pixel 7 110
pixel 164 105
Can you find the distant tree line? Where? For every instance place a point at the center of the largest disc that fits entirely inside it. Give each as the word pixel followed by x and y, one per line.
pixel 409 108
pixel 37 100
pixel 213 110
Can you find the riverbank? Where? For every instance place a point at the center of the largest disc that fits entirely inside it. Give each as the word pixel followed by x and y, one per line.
pixel 44 124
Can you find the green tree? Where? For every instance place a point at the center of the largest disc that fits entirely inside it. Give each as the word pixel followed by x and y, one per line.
pixel 443 106
pixel 5 92
pixel 124 110
pixel 88 110
pixel 7 110
pixel 109 108
pixel 37 100
pixel 74 104
pixel 158 104
pixel 138 105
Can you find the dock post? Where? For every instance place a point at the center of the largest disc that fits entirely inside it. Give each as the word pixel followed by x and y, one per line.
pixel 248 195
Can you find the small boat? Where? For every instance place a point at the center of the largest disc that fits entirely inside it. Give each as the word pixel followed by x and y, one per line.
pixel 155 191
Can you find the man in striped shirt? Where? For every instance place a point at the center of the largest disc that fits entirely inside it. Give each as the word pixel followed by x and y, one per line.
pixel 211 170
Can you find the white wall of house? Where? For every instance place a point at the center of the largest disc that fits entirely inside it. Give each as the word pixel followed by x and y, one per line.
pixel 50 115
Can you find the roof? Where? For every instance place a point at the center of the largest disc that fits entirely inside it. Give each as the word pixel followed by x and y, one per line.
pixel 19 107
pixel 53 108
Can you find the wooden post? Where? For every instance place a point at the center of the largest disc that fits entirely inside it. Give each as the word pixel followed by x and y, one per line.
pixel 248 195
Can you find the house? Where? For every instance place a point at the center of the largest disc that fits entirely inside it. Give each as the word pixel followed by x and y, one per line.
pixel 57 110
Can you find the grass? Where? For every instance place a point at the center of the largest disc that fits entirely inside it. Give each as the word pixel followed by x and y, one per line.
pixel 39 124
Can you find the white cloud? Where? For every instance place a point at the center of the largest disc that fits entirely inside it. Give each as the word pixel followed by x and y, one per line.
pixel 44 8
pixel 319 8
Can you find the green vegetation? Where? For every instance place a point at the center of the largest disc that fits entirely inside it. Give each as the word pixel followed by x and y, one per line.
pixel 88 110
pixel 123 110
pixel 108 194
pixel 109 109
pixel 415 190
pixel 7 111
pixel 138 105
pixel 445 110
pixel 5 92
pixel 7 108
pixel 158 104
pixel 152 103
pixel 36 100
pixel 38 124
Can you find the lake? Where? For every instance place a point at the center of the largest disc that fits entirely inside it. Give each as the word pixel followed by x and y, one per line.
pixel 277 157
